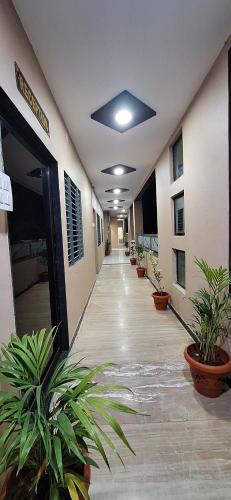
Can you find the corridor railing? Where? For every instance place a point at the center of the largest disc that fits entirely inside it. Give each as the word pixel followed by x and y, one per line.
pixel 149 242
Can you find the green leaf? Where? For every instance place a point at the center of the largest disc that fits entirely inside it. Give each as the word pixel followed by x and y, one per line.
pixel 38 398
pixel 82 385
pixel 110 421
pixel 79 483
pixel 58 455
pixel 81 415
pixel 71 488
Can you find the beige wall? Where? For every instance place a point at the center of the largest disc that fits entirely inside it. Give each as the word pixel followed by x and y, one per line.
pixel 14 46
pixel 205 185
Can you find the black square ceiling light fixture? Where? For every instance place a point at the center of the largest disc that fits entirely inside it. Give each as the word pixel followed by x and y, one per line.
pixel 111 201
pixel 118 169
pixel 123 112
pixel 116 190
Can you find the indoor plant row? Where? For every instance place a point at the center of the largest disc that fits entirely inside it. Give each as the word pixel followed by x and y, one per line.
pixel 44 445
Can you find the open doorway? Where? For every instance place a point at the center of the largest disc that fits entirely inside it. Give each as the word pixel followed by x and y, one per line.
pixel 34 230
pixel 27 233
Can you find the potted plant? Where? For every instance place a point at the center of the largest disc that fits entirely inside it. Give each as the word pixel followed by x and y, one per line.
pixel 140 257
pixel 43 260
pixel 107 248
pixel 133 253
pixel 127 251
pixel 209 363
pixel 160 297
pixel 45 445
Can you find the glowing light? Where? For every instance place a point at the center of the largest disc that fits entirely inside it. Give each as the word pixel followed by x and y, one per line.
pixel 117 190
pixel 116 202
pixel 123 117
pixel 118 171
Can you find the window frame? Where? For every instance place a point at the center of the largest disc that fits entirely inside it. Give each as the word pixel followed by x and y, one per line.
pixel 177 252
pixel 177 197
pixel 74 220
pixel 98 230
pixel 174 144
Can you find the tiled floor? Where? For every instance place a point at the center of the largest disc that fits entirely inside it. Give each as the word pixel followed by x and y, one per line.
pixel 117 256
pixel 183 448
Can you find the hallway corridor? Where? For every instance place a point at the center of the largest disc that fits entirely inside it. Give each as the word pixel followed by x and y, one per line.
pixel 183 446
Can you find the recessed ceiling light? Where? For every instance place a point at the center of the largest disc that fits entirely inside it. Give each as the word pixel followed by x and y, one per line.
pixel 116 202
pixel 117 190
pixel 115 208
pixel 123 210
pixel 123 112
pixel 118 171
pixel 123 117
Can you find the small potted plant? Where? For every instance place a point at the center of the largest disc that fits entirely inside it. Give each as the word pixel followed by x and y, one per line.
pixel 209 363
pixel 133 253
pixel 107 248
pixel 127 251
pixel 45 444
pixel 43 260
pixel 140 257
pixel 160 297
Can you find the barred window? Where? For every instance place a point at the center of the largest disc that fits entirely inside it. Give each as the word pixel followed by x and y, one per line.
pixel 98 231
pixel 74 221
pixel 102 229
pixel 179 215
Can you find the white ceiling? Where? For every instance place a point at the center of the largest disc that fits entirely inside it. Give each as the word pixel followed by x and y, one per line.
pixel 91 50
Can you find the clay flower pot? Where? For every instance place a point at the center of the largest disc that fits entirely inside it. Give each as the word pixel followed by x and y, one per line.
pixel 209 380
pixel 140 272
pixel 127 253
pixel 133 261
pixel 161 300
pixel 107 252
pixel 10 476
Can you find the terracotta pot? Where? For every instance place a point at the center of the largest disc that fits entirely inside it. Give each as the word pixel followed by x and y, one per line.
pixel 208 380
pixel 133 261
pixel 107 252
pixel 10 475
pixel 127 253
pixel 141 272
pixel 161 301
pixel 43 277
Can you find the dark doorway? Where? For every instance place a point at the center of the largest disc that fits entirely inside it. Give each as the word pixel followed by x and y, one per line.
pixel 34 229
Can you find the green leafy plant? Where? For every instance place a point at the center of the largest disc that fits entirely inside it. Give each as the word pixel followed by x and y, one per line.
pixel 47 443
pixel 212 311
pixel 133 249
pixel 156 272
pixel 140 255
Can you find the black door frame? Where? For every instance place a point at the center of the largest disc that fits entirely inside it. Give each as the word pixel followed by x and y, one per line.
pixel 15 123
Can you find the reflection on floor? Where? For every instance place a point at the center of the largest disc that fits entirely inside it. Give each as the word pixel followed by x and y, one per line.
pixel 117 256
pixel 32 309
pixel 183 448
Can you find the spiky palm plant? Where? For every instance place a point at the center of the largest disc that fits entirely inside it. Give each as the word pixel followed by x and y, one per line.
pixel 212 311
pixel 47 443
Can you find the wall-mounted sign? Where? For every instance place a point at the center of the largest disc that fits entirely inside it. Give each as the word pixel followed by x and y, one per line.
pixel 6 201
pixel 31 100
